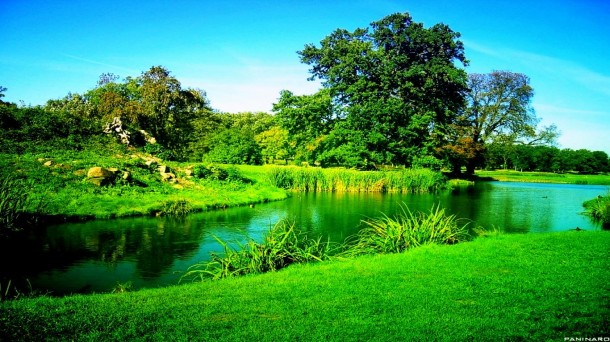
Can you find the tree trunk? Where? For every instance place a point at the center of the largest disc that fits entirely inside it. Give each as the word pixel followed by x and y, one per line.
pixel 470 166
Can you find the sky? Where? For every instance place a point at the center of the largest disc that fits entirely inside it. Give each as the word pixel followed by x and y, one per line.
pixel 243 53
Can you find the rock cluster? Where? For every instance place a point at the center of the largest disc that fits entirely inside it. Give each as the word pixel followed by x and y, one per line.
pixel 101 176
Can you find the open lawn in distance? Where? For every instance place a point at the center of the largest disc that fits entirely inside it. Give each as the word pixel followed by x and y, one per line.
pixel 535 287
pixel 543 177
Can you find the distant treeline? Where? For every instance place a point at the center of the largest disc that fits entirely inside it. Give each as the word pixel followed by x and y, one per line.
pixel 545 158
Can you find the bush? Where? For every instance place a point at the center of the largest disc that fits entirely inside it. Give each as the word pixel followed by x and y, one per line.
pixel 407 230
pixel 14 202
pixel 283 245
pixel 210 172
pixel 599 209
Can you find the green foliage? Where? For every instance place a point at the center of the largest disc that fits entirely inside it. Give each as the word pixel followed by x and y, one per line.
pixel 211 171
pixel 216 173
pixel 395 83
pixel 179 207
pixel 13 201
pixel 234 146
pixel 344 180
pixel 498 110
pixel 122 287
pixel 306 118
pixel 407 230
pixel 274 144
pixel 16 204
pixel 545 158
pixel 282 246
pixel 599 209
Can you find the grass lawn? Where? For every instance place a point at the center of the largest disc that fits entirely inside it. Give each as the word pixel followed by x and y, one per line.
pixel 544 177
pixel 534 287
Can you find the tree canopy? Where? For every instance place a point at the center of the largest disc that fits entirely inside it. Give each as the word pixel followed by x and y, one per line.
pixel 394 84
pixel 498 110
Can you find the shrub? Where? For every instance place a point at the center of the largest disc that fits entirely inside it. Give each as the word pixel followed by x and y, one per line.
pixel 176 208
pixel 210 172
pixel 407 230
pixel 13 203
pixel 599 209
pixel 283 245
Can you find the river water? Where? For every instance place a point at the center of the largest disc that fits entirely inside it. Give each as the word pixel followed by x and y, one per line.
pixel 98 255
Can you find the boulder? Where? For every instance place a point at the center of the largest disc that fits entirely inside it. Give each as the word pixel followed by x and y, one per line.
pixel 99 172
pixel 164 169
pixel 151 164
pixel 168 177
pixel 100 176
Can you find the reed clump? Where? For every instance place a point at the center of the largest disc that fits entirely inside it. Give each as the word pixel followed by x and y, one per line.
pixel 14 200
pixel 407 230
pixel 599 208
pixel 345 180
pixel 283 245
pixel 179 207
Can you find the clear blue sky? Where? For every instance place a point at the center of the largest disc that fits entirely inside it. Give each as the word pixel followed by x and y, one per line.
pixel 244 52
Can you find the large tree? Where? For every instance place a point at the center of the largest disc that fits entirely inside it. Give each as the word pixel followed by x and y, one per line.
pixel 396 83
pixel 154 102
pixel 498 110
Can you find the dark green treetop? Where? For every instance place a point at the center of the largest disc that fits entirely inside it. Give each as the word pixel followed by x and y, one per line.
pixel 395 81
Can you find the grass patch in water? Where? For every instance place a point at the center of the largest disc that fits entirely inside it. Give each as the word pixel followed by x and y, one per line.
pixel 599 209
pixel 407 230
pixel 283 245
pixel 345 180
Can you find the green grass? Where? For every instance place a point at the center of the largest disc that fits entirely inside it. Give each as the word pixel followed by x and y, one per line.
pixel 544 177
pixel 599 209
pixel 65 191
pixel 531 287
pixel 13 202
pixel 407 230
pixel 346 180
pixel 282 246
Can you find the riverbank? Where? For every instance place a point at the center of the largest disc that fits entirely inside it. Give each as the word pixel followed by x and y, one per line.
pixel 542 177
pixel 60 188
pixel 81 185
pixel 544 286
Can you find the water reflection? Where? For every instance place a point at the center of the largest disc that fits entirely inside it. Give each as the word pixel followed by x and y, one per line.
pixel 149 252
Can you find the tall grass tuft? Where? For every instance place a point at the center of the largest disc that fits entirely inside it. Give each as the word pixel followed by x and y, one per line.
pixel 283 245
pixel 407 230
pixel 599 208
pixel 180 207
pixel 343 180
pixel 13 203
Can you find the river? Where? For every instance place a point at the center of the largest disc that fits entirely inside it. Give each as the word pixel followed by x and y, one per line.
pixel 145 252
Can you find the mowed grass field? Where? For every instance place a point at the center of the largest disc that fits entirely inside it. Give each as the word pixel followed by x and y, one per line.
pixel 544 177
pixel 524 287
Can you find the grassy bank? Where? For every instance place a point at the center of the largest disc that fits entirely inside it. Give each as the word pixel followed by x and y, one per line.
pixel 507 287
pixel 544 177
pixel 345 180
pixel 59 181
pixel 58 186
